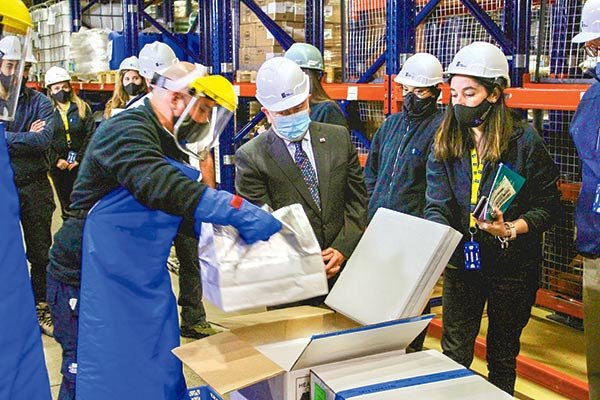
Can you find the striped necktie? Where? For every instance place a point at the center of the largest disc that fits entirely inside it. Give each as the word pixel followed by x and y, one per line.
pixel 308 172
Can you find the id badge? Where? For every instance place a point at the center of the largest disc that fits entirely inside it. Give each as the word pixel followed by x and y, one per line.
pixel 596 205
pixel 472 259
pixel 71 157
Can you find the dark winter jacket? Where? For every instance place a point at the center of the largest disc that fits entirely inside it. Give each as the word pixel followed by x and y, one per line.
pixel 80 130
pixel 538 202
pixel 395 170
pixel 585 130
pixel 28 149
pixel 328 112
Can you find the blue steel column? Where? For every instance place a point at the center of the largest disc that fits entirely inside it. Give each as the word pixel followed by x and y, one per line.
pixel 222 63
pixel 75 15
pixel 518 14
pixel 314 24
pixel 130 26
pixel 168 17
pixel 400 37
pixel 204 31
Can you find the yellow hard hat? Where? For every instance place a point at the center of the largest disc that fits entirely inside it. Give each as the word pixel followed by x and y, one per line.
pixel 217 88
pixel 15 16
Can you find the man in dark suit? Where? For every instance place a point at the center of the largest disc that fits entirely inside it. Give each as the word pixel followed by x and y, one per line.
pixel 299 161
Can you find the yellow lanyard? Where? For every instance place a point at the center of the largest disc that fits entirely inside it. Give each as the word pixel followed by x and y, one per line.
pixel 477 172
pixel 63 115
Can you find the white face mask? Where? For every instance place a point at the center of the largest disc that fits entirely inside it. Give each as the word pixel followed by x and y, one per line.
pixel 292 127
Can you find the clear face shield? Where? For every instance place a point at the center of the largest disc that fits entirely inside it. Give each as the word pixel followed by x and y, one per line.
pixel 13 47
pixel 200 125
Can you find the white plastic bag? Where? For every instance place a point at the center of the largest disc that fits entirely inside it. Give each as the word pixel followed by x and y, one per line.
pixel 286 268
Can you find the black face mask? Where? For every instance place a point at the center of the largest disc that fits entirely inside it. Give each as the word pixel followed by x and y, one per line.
pixel 472 116
pixel 62 96
pixel 6 80
pixel 133 89
pixel 415 107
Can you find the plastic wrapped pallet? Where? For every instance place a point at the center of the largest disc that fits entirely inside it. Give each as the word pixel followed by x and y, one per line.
pixel 90 51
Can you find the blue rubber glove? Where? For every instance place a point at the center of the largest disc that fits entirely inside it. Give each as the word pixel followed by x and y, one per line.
pixel 222 208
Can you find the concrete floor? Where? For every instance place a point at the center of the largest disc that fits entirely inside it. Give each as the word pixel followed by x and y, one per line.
pixel 543 340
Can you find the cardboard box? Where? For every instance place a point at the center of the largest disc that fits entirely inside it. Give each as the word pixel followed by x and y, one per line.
pixel 390 376
pixel 271 359
pixel 400 258
pixel 251 58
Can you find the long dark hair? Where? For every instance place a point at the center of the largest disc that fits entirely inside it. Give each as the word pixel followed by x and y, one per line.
pixel 317 93
pixel 453 141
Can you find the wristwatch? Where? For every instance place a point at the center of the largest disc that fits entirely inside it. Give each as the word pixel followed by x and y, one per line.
pixel 512 229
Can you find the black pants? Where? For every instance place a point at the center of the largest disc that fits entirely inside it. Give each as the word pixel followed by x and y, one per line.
pixel 190 285
pixel 36 203
pixel 509 298
pixel 63 180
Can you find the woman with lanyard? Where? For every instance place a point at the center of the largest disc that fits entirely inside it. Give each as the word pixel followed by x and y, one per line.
pixel 74 125
pixel 322 107
pixel 499 260
pixel 129 85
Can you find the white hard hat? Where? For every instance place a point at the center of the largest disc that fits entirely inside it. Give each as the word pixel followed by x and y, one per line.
pixel 281 84
pixel 55 75
pixel 155 57
pixel 481 60
pixel 421 70
pixel 130 64
pixel 10 48
pixel 305 55
pixel 590 22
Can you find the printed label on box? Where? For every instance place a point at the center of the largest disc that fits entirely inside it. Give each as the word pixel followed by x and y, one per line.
pixel 303 388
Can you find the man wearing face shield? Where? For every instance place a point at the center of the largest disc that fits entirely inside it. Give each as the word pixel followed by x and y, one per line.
pixel 154 59
pixel 585 130
pixel 23 372
pixel 301 161
pixel 395 169
pixel 132 193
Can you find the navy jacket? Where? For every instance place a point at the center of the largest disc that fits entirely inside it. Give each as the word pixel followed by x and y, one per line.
pixel 28 149
pixel 585 130
pixel 80 130
pixel 129 151
pixel 538 202
pixel 395 169
pixel 328 112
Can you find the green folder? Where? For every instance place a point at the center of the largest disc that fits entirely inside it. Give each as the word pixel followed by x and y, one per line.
pixel 505 188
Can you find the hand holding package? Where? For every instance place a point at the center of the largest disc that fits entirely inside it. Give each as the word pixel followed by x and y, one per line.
pixel 286 268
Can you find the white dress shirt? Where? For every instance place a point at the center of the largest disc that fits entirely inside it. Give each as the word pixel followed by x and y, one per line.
pixel 306 146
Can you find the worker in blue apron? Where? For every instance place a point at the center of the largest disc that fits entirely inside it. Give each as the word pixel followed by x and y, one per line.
pixel 23 372
pixel 114 311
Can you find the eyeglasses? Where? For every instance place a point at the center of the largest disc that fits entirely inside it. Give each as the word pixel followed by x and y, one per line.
pixel 421 93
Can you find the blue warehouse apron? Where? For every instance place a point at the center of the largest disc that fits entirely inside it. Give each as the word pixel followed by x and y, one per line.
pixel 23 372
pixel 128 314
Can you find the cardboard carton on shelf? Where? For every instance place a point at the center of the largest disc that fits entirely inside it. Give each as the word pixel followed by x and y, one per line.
pixel 251 58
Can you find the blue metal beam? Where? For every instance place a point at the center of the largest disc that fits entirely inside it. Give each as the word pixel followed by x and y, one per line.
pixel 204 31
pixel 130 26
pixel 279 34
pixel 426 11
pixel 168 17
pixel 88 5
pixel 368 74
pixel 248 127
pixel 522 24
pixel 222 57
pixel 489 25
pixel 75 15
pixel 171 36
pixel 314 23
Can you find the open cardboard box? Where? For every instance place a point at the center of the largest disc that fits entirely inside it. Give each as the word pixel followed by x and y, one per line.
pixel 271 358
pixel 393 375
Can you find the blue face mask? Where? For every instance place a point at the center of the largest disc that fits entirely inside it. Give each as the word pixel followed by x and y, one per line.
pixel 292 127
